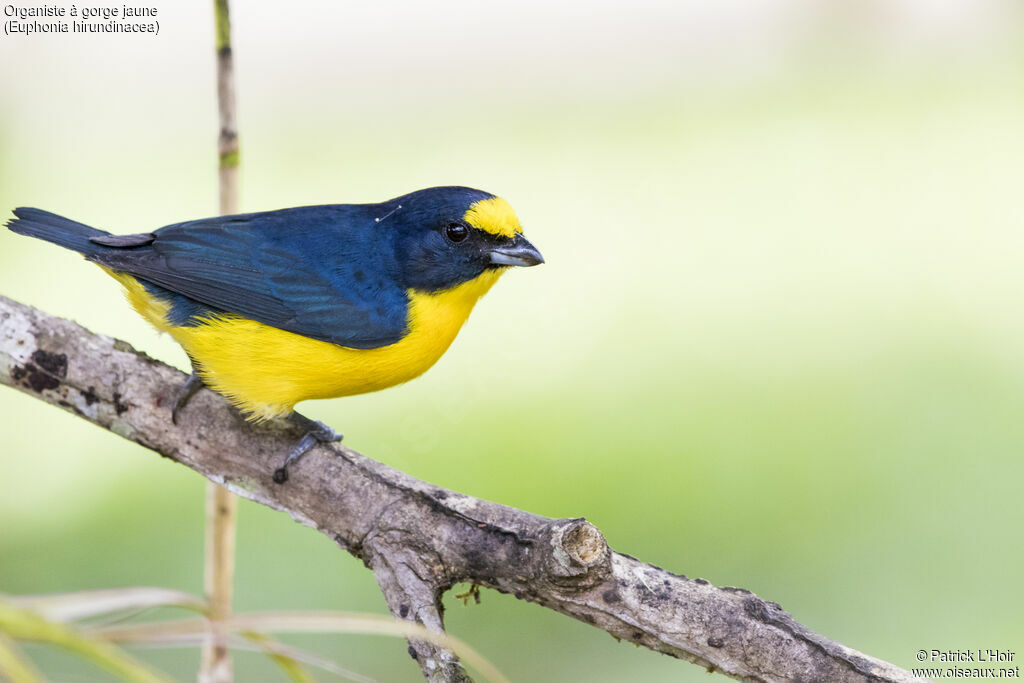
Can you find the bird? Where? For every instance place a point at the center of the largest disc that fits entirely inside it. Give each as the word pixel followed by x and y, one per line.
pixel 311 302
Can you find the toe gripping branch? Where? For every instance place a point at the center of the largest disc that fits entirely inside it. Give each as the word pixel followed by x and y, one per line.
pixel 316 432
pixel 193 384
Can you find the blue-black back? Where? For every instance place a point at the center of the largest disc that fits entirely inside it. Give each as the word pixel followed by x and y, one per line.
pixel 339 273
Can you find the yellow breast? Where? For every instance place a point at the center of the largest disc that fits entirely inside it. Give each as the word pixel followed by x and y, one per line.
pixel 265 371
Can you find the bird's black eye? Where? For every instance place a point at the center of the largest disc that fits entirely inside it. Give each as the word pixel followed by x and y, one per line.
pixel 456 232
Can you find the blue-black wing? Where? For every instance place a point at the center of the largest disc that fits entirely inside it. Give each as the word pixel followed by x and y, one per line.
pixel 315 271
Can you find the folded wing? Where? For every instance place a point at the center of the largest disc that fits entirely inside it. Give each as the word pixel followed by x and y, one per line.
pixel 269 267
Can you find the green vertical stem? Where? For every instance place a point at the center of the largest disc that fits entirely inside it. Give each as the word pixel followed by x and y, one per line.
pixel 221 506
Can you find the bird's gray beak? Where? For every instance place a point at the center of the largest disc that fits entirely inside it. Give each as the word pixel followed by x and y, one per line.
pixel 519 253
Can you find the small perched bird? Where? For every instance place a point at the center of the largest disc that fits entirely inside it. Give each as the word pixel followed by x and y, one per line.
pixel 278 307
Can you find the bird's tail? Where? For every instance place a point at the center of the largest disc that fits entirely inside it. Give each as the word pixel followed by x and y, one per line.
pixel 57 229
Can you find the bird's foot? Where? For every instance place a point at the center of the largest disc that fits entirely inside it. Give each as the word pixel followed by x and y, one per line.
pixel 316 432
pixel 193 384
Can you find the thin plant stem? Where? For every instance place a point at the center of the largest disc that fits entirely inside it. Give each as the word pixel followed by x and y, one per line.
pixel 221 506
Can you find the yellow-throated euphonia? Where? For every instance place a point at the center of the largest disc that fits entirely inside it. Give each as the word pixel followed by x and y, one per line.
pixel 278 307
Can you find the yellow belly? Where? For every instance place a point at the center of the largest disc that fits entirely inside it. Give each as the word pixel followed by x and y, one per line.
pixel 265 371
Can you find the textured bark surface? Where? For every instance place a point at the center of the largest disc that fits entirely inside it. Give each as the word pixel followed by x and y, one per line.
pixel 417 538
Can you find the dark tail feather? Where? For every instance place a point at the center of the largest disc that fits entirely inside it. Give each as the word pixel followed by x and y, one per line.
pixel 57 229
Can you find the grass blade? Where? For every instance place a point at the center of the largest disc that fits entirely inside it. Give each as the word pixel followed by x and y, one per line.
pixel 239 643
pixel 64 607
pixel 306 622
pixel 14 666
pixel 289 666
pixel 21 624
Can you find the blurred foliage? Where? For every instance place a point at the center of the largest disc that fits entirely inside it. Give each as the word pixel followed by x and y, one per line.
pixel 776 344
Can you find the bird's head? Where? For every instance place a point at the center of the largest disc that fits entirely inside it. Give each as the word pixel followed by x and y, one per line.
pixel 447 236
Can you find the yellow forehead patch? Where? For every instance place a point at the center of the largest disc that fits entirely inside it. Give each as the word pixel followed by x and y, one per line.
pixel 493 215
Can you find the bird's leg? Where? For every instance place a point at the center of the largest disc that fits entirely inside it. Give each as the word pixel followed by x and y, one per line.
pixel 193 384
pixel 316 432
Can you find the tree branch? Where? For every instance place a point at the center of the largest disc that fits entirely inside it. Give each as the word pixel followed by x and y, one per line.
pixel 420 539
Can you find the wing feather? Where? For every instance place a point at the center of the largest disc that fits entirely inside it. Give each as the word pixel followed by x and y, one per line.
pixel 269 267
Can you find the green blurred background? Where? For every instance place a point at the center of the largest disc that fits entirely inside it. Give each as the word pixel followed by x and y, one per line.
pixel 776 344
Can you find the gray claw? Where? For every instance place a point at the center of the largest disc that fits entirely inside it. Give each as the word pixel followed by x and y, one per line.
pixel 193 384
pixel 317 432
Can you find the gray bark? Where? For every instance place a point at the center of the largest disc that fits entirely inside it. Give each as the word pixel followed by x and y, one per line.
pixel 417 538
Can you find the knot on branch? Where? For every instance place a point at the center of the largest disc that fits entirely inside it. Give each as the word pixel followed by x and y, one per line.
pixel 579 554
